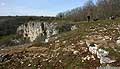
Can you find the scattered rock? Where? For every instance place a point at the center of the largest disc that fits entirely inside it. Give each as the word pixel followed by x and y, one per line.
pixel 57 41
pixel 107 37
pixel 60 61
pixel 104 60
pixel 29 65
pixel 21 62
pixel 46 40
pixel 102 55
pixel 64 42
pixel 73 27
pixel 93 49
pixel 4 58
pixel 118 42
pixel 75 52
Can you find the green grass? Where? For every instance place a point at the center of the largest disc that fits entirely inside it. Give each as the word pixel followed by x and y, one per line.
pixel 6 38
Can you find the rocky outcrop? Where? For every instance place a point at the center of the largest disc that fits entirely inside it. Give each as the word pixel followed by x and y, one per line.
pixel 34 29
pixel 42 31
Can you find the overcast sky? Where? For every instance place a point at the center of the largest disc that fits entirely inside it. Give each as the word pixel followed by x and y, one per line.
pixel 37 7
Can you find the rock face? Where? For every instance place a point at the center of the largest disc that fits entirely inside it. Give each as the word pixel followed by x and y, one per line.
pixel 34 29
pixel 37 30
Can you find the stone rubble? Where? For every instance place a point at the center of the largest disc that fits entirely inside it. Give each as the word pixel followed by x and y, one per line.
pixel 75 52
pixel 118 42
pixel 101 54
pixel 74 27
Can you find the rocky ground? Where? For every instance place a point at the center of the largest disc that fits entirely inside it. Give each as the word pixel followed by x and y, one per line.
pixel 92 45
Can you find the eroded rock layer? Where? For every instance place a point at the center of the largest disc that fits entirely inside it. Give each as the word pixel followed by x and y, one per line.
pixel 42 30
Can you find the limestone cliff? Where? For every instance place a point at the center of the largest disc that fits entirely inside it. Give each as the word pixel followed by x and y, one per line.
pixel 33 29
pixel 42 30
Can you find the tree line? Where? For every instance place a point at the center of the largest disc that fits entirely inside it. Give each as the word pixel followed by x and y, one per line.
pixel 102 9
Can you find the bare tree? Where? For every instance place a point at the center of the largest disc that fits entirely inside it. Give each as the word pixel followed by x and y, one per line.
pixel 101 10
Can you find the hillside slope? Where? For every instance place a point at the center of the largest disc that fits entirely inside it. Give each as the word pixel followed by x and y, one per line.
pixel 92 45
